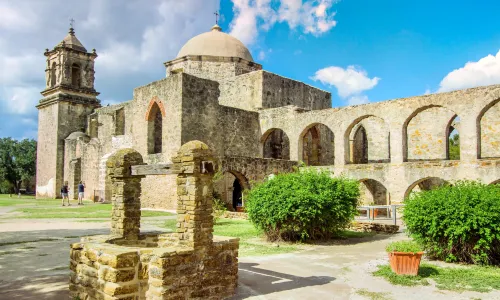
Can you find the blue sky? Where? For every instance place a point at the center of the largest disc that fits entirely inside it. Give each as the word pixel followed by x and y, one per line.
pixel 360 50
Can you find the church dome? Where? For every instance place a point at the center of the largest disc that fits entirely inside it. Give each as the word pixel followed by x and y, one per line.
pixel 215 43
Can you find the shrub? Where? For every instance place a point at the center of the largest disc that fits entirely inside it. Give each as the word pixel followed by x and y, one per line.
pixel 459 223
pixel 218 207
pixel 302 206
pixel 403 246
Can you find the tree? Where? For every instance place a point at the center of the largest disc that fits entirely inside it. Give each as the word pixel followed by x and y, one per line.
pixel 454 147
pixel 17 161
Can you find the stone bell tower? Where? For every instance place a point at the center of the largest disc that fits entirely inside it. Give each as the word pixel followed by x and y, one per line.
pixel 68 98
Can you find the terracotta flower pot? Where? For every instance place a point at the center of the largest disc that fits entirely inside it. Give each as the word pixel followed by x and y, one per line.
pixel 405 263
pixel 240 209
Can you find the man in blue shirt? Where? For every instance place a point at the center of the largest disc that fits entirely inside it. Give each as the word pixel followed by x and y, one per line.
pixel 81 190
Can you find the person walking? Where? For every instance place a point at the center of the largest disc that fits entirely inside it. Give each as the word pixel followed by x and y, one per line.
pixel 81 190
pixel 64 193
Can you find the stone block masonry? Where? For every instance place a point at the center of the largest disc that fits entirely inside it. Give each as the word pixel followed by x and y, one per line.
pixel 187 264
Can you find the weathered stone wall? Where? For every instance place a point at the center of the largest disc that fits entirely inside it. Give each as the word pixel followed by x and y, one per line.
pixel 279 91
pixel 159 191
pixel 211 67
pixel 262 89
pixel 200 112
pixel 239 130
pixel 56 122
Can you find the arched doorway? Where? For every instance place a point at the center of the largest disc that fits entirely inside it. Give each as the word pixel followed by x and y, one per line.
pixel 155 129
pixel 426 133
pixel 316 146
pixel 367 141
pixel 425 184
pixel 230 188
pixel 372 192
pixel 276 144
pixel 488 126
pixel 360 146
pixel 237 194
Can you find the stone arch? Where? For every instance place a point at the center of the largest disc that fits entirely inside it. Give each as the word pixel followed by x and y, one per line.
pixel 76 75
pixel 53 75
pixel 155 129
pixel 367 140
pixel 159 103
pixel 425 133
pixel 316 145
pixel 453 139
pixel 372 191
pixel 230 188
pixel 425 184
pixel 275 144
pixel 488 131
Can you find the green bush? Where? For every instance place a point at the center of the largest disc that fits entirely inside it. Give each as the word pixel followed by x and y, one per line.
pixel 303 205
pixel 403 246
pixel 459 223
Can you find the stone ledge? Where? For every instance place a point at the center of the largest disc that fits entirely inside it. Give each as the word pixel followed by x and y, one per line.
pixel 374 227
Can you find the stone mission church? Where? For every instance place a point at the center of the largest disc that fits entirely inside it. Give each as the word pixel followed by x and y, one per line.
pixel 258 123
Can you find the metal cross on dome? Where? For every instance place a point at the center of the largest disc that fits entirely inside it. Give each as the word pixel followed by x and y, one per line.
pixel 72 22
pixel 216 17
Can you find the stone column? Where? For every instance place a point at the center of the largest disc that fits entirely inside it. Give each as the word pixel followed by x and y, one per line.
pixel 126 192
pixel 194 190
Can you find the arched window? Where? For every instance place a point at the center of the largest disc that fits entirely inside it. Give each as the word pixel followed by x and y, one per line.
pixel 453 149
pixel 360 146
pixel 53 78
pixel 76 78
pixel 276 144
pixel 316 146
pixel 155 130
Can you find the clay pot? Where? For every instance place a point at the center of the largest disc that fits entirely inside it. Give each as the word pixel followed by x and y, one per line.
pixel 405 263
pixel 240 209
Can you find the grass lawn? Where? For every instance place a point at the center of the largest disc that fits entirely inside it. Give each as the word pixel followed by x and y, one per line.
pixel 31 208
pixel 252 242
pixel 460 278
pixel 5 200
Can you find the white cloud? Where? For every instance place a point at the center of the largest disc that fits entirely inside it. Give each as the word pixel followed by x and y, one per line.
pixel 351 81
pixel 427 91
pixel 132 41
pixel 358 99
pixel 311 16
pixel 485 71
pixel 20 99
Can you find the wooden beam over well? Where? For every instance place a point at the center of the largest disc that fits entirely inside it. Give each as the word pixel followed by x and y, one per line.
pixel 160 169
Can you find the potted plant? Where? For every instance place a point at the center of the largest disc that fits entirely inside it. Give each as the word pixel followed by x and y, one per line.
pixel 404 257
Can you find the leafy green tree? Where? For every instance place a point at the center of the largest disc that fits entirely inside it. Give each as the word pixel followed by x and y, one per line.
pixel 454 147
pixel 17 161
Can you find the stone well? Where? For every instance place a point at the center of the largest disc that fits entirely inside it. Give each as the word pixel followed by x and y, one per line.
pixel 187 264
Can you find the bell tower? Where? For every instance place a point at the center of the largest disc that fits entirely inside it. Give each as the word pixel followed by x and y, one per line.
pixel 68 98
